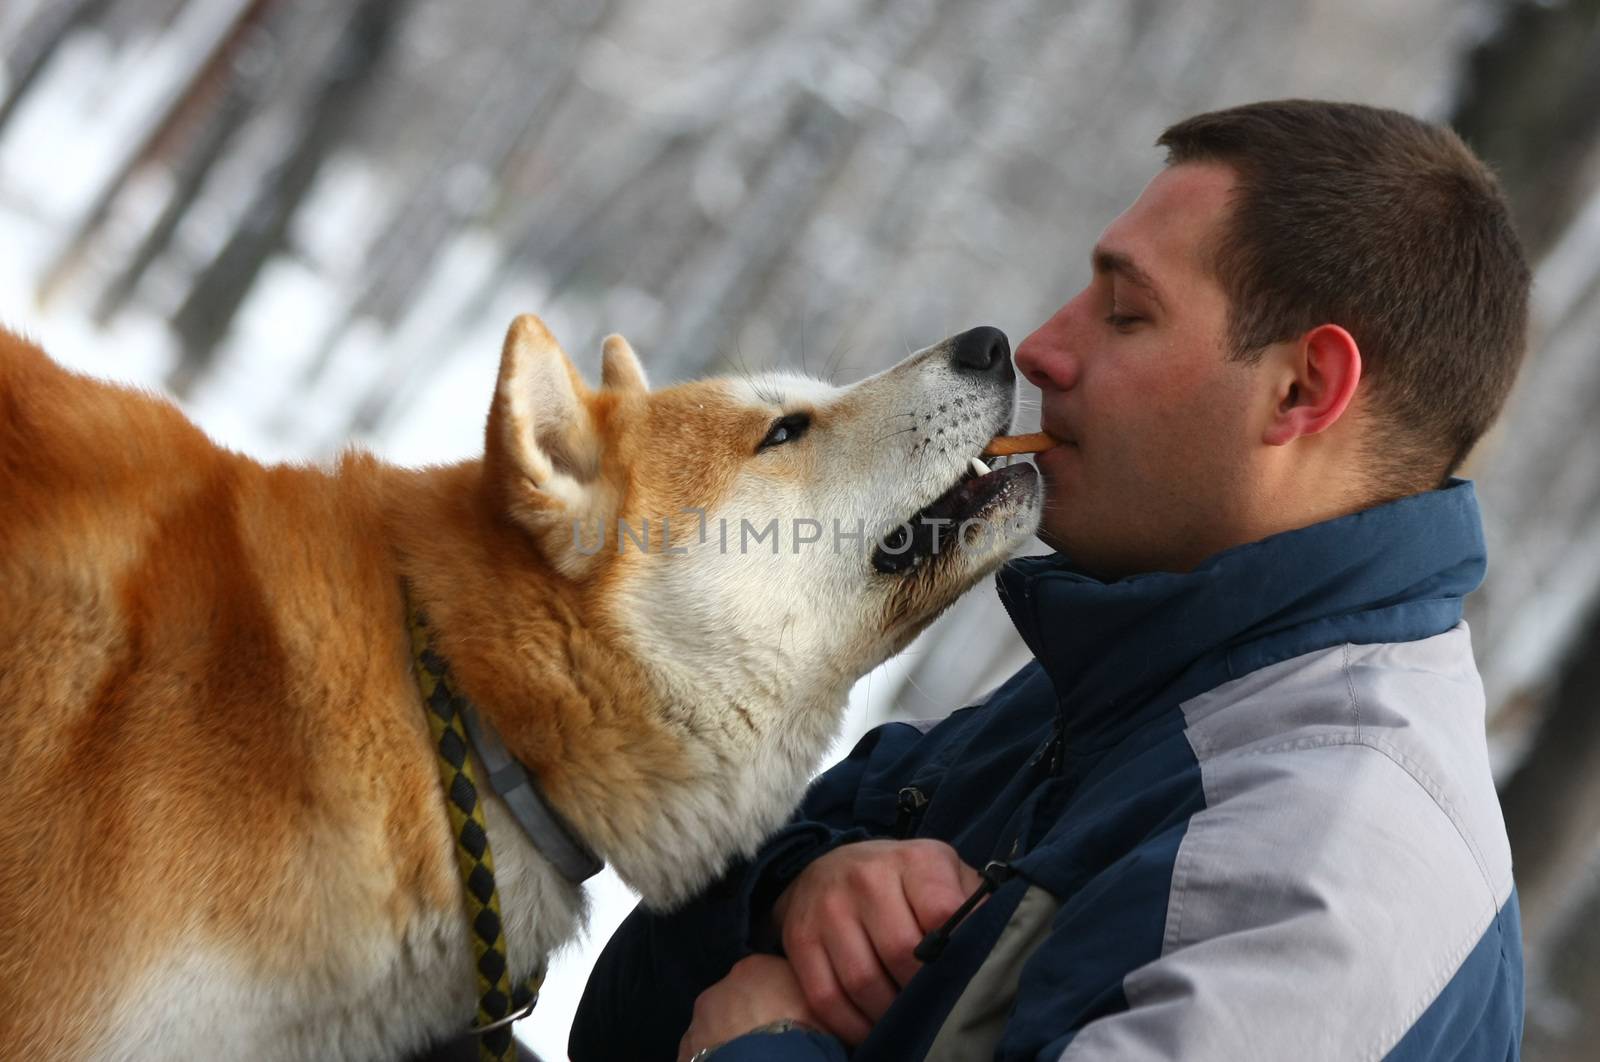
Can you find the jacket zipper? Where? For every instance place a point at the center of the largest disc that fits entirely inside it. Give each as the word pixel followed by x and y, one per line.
pixel 909 804
pixel 995 874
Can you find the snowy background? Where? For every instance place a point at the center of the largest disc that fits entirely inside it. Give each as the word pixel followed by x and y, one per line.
pixel 310 222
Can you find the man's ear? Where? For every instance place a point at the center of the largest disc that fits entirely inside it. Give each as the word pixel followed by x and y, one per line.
pixel 1321 373
pixel 541 453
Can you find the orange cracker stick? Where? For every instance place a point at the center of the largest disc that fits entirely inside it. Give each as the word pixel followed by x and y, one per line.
pixel 1006 445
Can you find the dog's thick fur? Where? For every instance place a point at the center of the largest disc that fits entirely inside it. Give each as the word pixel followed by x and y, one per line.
pixel 222 832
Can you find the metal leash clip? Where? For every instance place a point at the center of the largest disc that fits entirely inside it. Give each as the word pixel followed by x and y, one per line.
pixel 501 1023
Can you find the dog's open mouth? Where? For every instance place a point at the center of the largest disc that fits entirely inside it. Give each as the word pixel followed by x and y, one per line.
pixel 969 508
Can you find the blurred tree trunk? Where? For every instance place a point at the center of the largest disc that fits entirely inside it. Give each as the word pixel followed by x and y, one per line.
pixel 37 41
pixel 167 137
pixel 515 101
pixel 203 319
pixel 1552 802
pixel 196 134
pixel 1552 810
pixel 1562 1023
pixel 1528 106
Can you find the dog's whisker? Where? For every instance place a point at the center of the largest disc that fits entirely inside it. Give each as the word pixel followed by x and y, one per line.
pixel 892 434
pixel 803 367
pixel 839 351
pixel 912 679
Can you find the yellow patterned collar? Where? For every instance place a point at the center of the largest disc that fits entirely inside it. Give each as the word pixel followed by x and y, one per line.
pixel 498 1003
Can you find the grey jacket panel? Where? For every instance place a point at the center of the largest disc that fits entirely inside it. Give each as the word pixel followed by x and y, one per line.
pixel 1351 835
pixel 978 1019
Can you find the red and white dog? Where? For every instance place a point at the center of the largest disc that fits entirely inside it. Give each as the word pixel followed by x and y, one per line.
pixel 222 831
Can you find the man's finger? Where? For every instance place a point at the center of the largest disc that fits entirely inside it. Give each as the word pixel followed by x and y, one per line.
pixel 937 886
pixel 969 879
pixel 858 969
pixel 895 934
pixel 826 996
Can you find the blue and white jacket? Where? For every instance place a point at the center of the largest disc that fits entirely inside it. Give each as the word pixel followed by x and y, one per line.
pixel 1247 810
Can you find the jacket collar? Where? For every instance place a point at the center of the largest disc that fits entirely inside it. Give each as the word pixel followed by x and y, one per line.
pixel 1396 572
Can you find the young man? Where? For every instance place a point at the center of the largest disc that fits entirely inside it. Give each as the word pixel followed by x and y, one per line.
pixel 1239 806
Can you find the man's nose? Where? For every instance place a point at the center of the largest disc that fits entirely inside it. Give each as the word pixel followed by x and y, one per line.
pixel 1042 358
pixel 982 351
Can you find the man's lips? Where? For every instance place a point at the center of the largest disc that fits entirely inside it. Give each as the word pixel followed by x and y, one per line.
pixel 1062 435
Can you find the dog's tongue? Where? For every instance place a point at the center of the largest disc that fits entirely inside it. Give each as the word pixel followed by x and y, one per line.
pixel 931 529
pixel 972 494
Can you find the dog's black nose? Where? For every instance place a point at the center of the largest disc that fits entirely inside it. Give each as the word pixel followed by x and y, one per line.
pixel 982 351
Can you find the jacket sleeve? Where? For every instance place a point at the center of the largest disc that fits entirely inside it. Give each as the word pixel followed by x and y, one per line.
pixel 641 992
pixel 1323 904
pixel 1256 992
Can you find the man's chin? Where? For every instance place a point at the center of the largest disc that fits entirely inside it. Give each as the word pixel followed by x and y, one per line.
pixel 1052 539
pixel 1053 530
pixel 1095 558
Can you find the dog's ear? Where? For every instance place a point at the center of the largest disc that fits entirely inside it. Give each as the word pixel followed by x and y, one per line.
pixel 619 366
pixel 541 455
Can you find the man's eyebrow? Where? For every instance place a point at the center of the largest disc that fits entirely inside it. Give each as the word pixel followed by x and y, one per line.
pixel 1105 261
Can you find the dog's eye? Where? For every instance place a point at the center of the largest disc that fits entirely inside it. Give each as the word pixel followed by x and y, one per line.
pixel 785 430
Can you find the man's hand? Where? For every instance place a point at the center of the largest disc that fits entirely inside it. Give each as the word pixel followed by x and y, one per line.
pixel 852 919
pixel 758 990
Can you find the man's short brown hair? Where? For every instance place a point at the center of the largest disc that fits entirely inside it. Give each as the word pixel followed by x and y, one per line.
pixel 1391 228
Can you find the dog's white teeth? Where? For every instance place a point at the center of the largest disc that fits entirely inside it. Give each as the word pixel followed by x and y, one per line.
pixel 978 467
